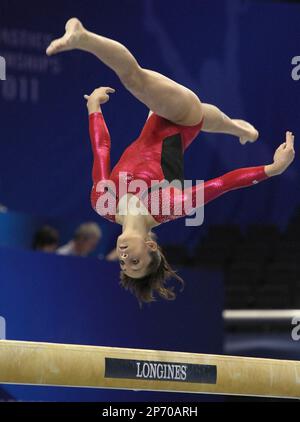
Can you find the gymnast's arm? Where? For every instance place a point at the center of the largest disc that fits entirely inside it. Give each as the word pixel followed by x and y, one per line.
pixel 100 138
pixel 241 178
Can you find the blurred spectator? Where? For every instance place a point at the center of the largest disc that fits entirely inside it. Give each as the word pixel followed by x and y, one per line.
pixel 3 208
pixel 85 241
pixel 46 239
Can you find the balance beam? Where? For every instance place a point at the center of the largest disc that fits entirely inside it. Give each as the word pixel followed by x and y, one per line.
pixel 108 367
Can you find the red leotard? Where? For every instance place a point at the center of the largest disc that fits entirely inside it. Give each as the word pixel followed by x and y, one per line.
pixel 142 160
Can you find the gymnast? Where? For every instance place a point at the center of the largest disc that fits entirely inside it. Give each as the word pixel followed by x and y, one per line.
pixel 175 119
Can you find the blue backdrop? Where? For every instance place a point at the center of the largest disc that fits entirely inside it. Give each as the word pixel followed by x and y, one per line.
pixel 236 54
pixel 74 300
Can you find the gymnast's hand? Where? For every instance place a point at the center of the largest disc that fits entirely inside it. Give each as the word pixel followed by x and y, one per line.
pixel 284 156
pixel 98 96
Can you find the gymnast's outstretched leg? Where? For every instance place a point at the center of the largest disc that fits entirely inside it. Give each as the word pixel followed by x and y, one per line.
pixel 216 121
pixel 159 93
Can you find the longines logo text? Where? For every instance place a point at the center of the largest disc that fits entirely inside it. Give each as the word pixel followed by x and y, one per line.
pixel 160 371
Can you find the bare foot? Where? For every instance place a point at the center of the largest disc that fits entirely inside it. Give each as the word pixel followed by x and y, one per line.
pixel 250 133
pixel 70 41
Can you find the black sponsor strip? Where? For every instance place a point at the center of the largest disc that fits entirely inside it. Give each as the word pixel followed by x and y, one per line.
pixel 160 371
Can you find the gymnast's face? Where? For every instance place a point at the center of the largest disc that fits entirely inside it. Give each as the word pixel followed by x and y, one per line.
pixel 134 255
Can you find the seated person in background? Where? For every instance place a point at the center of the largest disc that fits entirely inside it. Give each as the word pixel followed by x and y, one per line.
pixel 84 242
pixel 46 239
pixel 3 208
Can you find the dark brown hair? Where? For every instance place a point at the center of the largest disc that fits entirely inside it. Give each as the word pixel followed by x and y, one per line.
pixel 45 236
pixel 159 271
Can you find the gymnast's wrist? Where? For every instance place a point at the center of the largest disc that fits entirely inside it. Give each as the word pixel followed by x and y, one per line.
pixel 273 169
pixel 93 106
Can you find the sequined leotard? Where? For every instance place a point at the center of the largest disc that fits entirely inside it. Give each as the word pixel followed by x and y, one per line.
pixel 156 155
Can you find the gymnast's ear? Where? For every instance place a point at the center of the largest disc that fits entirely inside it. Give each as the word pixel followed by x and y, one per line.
pixel 152 245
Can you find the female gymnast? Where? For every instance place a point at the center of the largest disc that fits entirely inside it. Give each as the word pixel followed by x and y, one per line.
pixel 176 118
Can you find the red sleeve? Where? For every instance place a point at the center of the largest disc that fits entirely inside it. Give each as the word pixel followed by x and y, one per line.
pixel 186 202
pixel 237 179
pixel 100 140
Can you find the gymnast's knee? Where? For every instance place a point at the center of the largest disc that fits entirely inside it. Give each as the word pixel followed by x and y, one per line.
pixel 194 113
pixel 133 77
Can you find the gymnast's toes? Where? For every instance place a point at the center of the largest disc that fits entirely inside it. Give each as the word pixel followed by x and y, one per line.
pixel 71 39
pixel 54 47
pixel 250 134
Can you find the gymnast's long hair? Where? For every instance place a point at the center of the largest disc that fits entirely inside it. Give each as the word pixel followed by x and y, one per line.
pixel 154 284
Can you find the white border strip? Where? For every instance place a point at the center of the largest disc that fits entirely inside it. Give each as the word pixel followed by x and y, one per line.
pixel 260 315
